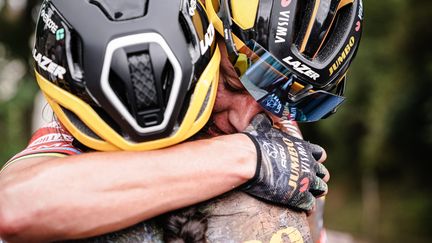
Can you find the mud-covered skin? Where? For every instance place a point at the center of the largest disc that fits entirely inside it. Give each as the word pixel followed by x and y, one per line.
pixel 287 172
pixel 232 217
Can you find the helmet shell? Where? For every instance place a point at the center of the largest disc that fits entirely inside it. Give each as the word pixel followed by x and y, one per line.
pixel 134 64
pixel 316 40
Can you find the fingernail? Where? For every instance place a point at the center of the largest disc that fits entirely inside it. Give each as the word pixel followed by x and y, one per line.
pixel 317 151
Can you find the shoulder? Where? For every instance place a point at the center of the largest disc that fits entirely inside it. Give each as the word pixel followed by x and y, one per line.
pixel 51 140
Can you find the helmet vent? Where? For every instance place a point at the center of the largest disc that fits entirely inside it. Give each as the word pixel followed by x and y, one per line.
pixel 336 33
pixel 186 30
pixel 188 33
pixel 304 11
pixel 206 101
pixel 143 81
pixel 122 10
pixel 80 125
pixel 147 92
pixel 118 15
pixel 76 52
pixel 120 88
pixel 167 78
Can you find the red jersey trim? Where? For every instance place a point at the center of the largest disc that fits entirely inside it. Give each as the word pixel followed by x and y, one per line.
pixel 51 138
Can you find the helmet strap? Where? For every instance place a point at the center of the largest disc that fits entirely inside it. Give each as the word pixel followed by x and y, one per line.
pixel 225 15
pixel 241 64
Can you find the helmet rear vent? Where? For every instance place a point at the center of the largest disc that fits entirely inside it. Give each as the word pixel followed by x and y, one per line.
pixel 303 12
pixel 147 91
pixel 336 33
pixel 143 81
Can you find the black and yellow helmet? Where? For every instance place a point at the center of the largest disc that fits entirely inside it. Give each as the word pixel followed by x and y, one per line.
pixel 130 74
pixel 292 55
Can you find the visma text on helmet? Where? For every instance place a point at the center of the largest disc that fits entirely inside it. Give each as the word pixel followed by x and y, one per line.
pixel 343 56
pixel 48 65
pixel 49 22
pixel 301 68
pixel 281 32
pixel 208 39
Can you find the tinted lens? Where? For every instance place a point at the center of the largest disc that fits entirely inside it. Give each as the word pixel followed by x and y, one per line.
pixel 272 85
pixel 314 106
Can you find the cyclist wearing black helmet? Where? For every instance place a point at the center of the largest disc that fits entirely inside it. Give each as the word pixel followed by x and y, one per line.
pixel 134 76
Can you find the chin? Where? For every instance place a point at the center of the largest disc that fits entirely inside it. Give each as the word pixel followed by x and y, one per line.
pixel 215 131
pixel 211 130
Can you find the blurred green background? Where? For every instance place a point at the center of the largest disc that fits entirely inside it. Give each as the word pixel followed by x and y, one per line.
pixel 378 143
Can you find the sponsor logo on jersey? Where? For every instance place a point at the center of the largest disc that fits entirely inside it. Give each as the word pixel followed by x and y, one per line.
pixel 301 68
pixel 342 58
pixel 208 39
pixel 51 138
pixel 48 65
pixel 282 26
pixel 49 23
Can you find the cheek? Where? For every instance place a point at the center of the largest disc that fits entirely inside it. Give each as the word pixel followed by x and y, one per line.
pixel 221 121
pixel 222 101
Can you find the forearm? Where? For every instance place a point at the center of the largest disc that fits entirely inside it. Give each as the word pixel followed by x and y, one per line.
pixel 95 193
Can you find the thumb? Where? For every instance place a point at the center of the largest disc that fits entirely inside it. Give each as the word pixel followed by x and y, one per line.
pixel 261 123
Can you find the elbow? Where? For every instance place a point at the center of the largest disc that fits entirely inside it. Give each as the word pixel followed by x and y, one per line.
pixel 9 225
pixel 13 219
pixel 8 231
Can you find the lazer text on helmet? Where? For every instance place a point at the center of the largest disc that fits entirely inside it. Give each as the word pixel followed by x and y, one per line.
pixel 342 58
pixel 48 65
pixel 301 68
pixel 208 39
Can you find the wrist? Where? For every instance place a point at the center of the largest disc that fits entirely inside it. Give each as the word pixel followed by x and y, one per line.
pixel 243 149
pixel 257 153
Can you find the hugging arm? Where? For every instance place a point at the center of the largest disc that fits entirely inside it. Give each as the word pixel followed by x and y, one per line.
pixel 48 199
